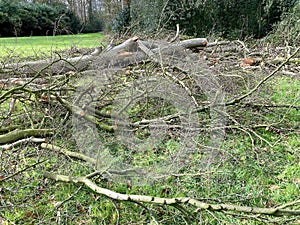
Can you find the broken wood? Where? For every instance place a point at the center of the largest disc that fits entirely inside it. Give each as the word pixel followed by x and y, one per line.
pixel 176 35
pixel 116 56
pixel 193 43
pixel 278 211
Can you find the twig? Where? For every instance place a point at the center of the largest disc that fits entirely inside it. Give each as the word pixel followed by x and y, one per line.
pixel 187 214
pixel 184 86
pixel 21 171
pixel 118 212
pixel 76 155
pixel 297 202
pixel 176 35
pixel 234 101
pixel 149 211
pixel 59 204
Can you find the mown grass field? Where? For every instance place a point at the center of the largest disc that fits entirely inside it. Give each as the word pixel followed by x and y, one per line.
pixel 41 46
pixel 261 167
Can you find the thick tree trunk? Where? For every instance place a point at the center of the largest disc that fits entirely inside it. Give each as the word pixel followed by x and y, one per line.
pixel 125 54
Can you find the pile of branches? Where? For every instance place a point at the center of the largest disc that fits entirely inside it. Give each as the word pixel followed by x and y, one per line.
pixel 40 100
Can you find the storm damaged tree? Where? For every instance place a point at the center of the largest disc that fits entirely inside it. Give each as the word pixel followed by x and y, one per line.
pixel 94 110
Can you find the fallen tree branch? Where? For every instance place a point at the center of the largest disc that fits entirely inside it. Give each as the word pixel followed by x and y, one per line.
pixel 76 155
pixel 193 43
pixel 19 134
pixel 9 128
pixel 258 106
pixel 87 159
pixel 176 35
pixel 236 100
pixel 22 170
pixel 23 86
pixel 38 82
pixel 280 60
pixel 278 211
pixel 81 113
pixel 127 53
pixel 26 140
pixel 217 43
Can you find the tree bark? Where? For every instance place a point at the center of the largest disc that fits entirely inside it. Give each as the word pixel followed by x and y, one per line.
pixel 173 201
pixel 125 54
pixel 19 134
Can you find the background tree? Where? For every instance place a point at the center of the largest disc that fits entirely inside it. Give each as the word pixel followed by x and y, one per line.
pixel 229 18
pixel 19 18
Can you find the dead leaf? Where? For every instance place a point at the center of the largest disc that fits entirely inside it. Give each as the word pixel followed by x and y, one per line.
pixel 296 180
pixel 129 184
pixel 2 221
pixel 44 98
pixel 30 214
pixel 165 191
pixel 273 187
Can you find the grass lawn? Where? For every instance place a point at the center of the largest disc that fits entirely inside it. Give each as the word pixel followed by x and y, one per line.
pixel 252 174
pixel 38 46
pixel 258 164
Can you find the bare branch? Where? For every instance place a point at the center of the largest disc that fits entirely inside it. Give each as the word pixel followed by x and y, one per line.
pixel 18 134
pixel 234 101
pixel 278 211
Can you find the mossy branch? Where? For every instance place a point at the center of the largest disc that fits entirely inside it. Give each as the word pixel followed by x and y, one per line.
pixel 19 134
pixel 81 113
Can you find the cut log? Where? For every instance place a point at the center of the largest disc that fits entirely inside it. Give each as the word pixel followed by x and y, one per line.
pixel 117 56
pixel 193 43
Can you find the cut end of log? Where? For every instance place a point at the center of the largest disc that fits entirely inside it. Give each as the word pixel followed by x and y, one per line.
pixel 248 62
pixel 204 43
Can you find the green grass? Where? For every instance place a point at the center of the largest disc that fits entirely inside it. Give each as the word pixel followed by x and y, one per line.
pixel 252 173
pixel 38 46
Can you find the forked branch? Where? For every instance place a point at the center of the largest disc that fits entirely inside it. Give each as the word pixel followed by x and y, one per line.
pixel 278 211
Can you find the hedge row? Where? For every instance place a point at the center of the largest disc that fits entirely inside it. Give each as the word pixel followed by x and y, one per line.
pixel 24 19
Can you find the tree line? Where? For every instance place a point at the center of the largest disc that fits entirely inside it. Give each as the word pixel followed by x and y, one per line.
pixel 24 19
pixel 228 18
